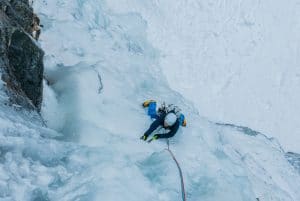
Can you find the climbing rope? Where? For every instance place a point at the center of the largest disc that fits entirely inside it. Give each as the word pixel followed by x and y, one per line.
pixel 180 172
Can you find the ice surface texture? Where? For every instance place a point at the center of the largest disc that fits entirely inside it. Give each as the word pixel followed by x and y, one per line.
pixel 96 153
pixel 237 60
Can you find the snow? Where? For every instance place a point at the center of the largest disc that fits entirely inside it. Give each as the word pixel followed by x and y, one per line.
pixel 237 61
pixel 101 65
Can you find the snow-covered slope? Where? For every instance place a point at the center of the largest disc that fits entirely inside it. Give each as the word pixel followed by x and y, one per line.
pixel 238 61
pixel 101 66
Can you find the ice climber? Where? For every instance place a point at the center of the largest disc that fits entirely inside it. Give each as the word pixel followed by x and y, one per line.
pixel 167 117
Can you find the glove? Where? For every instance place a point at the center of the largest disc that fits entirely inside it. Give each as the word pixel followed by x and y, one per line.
pixel 144 137
pixel 155 137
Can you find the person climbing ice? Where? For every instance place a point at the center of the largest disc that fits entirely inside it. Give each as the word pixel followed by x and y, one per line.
pixel 167 117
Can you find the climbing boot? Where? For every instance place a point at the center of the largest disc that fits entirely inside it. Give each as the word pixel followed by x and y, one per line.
pixel 147 102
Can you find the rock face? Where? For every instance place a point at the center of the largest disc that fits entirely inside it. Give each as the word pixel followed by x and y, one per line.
pixel 21 59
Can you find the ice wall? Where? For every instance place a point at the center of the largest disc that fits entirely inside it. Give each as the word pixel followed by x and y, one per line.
pixel 100 67
pixel 238 61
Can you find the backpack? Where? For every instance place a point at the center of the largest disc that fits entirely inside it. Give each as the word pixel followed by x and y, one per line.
pixel 175 109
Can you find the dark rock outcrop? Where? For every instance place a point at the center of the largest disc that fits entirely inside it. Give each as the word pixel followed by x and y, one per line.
pixel 21 59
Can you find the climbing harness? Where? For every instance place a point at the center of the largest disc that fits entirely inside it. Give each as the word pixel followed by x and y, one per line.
pixel 183 194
